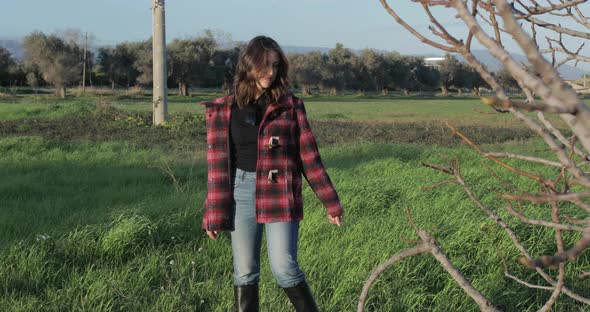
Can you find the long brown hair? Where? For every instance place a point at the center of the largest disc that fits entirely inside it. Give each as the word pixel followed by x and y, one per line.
pixel 253 58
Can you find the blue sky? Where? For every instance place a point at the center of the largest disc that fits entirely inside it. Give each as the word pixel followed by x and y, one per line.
pixel 357 24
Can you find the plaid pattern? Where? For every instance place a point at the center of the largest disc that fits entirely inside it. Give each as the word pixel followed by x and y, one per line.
pixel 286 149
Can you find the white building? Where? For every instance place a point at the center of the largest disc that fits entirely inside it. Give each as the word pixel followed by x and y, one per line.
pixel 434 61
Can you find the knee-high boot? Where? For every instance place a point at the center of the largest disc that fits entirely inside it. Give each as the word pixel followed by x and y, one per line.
pixel 302 298
pixel 246 298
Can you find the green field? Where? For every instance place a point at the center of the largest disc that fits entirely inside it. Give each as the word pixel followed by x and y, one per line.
pixel 101 212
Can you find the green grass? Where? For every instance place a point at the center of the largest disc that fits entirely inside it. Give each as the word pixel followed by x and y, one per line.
pixel 108 218
pixel 43 109
pixel 99 226
pixel 401 109
pixel 467 111
pixel 47 106
pixel 458 110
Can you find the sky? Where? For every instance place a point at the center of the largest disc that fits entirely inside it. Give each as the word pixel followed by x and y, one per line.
pixel 357 24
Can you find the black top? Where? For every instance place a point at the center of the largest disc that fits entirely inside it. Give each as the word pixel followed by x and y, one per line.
pixel 244 135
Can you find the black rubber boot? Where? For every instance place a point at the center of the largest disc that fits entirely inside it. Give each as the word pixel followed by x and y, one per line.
pixel 246 298
pixel 302 298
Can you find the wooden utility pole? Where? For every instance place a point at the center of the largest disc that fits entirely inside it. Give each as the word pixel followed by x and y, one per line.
pixel 160 99
pixel 84 67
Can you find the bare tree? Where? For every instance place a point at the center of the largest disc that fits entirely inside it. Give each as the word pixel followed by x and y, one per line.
pixel 494 23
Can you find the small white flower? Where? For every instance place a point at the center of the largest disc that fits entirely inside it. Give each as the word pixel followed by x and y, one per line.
pixel 192 262
pixel 172 262
pixel 162 288
pixel 172 237
pixel 200 249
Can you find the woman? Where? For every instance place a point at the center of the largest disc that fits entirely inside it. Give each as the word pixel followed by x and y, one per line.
pixel 258 144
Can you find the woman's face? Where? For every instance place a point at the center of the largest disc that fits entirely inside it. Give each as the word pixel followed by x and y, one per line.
pixel 267 75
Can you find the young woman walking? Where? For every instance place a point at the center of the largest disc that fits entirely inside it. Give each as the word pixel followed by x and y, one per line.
pixel 259 144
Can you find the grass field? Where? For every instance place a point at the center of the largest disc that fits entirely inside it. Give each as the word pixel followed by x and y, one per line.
pixel 468 110
pixel 109 221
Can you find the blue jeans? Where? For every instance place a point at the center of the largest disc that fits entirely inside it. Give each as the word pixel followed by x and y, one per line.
pixel 281 239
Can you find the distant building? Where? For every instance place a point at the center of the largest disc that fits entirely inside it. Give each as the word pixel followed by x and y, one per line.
pixel 433 61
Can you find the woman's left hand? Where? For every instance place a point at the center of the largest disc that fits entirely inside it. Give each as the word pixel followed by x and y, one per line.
pixel 335 220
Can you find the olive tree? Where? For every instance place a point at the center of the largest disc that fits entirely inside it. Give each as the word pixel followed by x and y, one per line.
pixel 117 63
pixel 337 71
pixel 6 63
pixel 143 62
pixel 190 61
pixel 59 61
pixel 306 70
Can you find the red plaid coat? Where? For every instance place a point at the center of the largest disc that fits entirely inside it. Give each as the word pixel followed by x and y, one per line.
pixel 286 149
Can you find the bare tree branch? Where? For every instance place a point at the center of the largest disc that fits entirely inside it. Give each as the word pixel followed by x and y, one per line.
pixel 413 31
pixel 428 245
pixel 381 268
pixel 557 226
pixel 523 157
pixel 507 103
pixel 536 10
pixel 538 79
pixel 568 255
pixel 556 28
pixel 560 248
pixel 492 215
pixel 529 285
pixel 546 198
pixel 556 93
pixel 560 136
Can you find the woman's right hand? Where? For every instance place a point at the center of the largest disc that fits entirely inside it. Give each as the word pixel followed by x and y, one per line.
pixel 212 234
pixel 335 220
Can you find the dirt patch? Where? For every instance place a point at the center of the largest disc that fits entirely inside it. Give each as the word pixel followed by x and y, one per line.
pixel 111 125
pixel 187 131
pixel 428 133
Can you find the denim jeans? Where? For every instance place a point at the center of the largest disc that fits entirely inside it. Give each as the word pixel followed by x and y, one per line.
pixel 281 239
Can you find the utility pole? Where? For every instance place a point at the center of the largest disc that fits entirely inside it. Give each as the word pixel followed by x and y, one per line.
pixel 84 67
pixel 160 99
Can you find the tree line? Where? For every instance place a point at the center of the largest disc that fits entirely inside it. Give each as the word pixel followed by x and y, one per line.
pixel 199 62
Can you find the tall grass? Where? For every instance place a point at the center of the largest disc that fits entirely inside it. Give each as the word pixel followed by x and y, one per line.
pixel 102 227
